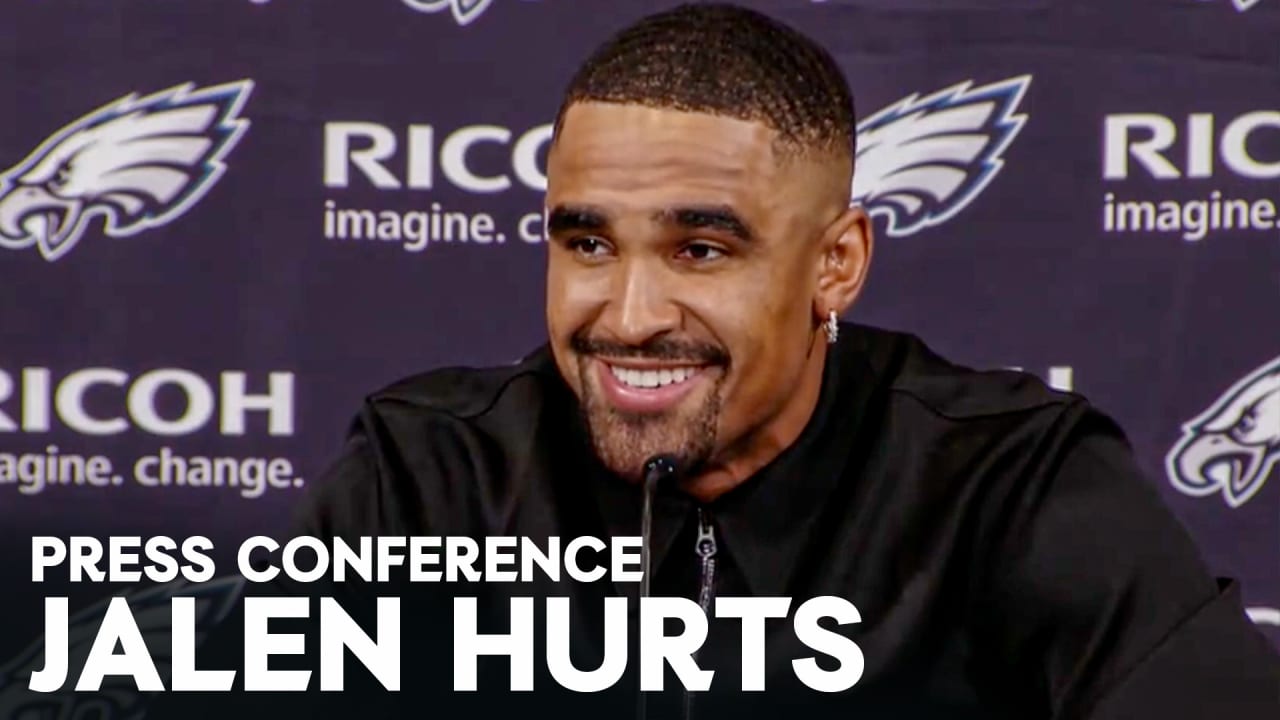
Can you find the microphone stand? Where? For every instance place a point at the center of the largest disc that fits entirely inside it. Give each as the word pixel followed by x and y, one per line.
pixel 656 469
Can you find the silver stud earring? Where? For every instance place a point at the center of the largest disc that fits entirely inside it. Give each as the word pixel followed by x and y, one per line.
pixel 832 327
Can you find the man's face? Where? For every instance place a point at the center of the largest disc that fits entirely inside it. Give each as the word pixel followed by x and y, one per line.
pixel 681 278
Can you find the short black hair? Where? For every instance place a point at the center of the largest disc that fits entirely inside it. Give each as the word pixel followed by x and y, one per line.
pixel 722 59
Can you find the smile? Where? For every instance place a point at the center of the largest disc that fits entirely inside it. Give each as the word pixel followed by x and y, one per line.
pixel 653 378
pixel 648 389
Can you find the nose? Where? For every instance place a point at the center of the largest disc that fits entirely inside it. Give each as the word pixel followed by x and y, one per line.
pixel 640 307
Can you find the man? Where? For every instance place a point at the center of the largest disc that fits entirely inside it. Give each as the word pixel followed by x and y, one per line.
pixel 1006 556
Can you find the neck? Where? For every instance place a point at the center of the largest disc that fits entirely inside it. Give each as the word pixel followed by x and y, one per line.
pixel 759 448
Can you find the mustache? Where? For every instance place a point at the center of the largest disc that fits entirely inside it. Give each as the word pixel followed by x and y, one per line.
pixel 658 348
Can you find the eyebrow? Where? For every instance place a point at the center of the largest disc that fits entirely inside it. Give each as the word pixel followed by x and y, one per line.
pixel 564 218
pixel 720 217
pixel 568 218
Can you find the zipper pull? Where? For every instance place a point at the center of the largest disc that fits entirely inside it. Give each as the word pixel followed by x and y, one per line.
pixel 706 546
pixel 706 550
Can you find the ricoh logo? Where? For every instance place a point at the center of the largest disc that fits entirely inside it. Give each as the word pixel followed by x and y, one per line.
pixel 420 157
pixel 419 160
pixel 1197 146
pixel 169 402
pixel 1196 150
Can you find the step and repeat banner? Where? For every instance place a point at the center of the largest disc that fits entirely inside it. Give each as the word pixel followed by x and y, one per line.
pixel 223 223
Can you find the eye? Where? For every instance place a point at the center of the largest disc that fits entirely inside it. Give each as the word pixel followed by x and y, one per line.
pixel 60 178
pixel 1245 424
pixel 589 246
pixel 701 252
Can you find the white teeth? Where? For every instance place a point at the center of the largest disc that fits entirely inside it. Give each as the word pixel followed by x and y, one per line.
pixel 652 378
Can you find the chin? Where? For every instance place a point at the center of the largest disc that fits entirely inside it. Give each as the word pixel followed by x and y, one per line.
pixel 624 443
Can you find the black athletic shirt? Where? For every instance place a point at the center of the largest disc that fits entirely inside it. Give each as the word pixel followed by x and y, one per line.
pixel 1006 555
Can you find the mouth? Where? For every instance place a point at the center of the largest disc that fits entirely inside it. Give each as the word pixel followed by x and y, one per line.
pixel 648 388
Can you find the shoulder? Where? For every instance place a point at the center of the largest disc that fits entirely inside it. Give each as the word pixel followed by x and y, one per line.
pixel 914 374
pixel 421 450
pixel 469 393
pixel 992 427
pixel 471 419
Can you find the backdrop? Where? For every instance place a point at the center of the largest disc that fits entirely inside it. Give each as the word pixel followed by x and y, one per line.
pixel 223 223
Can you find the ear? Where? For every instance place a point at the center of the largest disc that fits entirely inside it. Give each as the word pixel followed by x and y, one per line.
pixel 844 257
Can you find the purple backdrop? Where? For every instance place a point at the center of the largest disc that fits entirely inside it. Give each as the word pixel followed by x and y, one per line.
pixel 222 223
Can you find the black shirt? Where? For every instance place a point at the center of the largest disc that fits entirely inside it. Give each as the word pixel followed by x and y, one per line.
pixel 1006 554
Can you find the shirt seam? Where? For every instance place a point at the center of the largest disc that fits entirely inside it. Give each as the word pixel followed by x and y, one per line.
pixel 490 402
pixel 1066 402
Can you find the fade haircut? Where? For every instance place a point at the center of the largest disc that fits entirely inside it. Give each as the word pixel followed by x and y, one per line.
pixel 721 59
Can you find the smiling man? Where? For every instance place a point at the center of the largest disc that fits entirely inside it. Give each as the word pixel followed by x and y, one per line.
pixel 702 238
pixel 1005 554
pixel 695 256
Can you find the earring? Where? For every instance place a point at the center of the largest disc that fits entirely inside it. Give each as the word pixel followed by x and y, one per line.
pixel 832 327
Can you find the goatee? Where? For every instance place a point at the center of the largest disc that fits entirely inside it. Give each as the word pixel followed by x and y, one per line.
pixel 622 440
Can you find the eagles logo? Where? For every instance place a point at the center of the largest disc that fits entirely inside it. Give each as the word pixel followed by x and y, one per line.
pixel 137 163
pixel 119 696
pixel 923 160
pixel 1232 447
pixel 464 11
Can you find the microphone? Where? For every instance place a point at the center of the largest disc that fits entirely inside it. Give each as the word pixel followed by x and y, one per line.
pixel 657 469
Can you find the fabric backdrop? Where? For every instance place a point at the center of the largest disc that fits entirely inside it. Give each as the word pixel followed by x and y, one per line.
pixel 223 223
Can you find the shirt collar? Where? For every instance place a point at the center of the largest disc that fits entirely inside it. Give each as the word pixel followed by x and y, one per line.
pixel 768 523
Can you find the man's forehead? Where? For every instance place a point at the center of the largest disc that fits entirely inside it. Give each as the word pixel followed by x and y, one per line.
pixel 595 134
pixel 618 152
pixel 630 158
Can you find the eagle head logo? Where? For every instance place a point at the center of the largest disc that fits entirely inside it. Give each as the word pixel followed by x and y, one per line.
pixel 464 11
pixel 1231 447
pixel 138 163
pixel 922 160
pixel 119 697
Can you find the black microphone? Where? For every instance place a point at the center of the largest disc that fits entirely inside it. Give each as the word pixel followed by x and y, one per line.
pixel 657 469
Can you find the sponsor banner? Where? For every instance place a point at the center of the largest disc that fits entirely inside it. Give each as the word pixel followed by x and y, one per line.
pixel 351 196
pixel 921 161
pixel 411 168
pixel 163 405
pixel 1192 155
